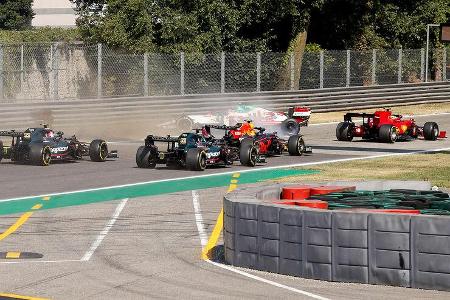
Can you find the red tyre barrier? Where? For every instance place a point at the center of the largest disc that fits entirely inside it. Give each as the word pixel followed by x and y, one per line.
pixel 297 192
pixel 313 204
pixel 288 202
pixel 323 190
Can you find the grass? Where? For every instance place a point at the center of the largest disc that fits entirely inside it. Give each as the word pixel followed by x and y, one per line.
pixel 433 167
pixel 405 110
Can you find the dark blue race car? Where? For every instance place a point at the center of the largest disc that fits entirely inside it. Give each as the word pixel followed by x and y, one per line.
pixel 191 150
pixel 40 146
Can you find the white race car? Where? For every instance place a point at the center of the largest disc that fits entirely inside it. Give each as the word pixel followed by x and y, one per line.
pixel 289 123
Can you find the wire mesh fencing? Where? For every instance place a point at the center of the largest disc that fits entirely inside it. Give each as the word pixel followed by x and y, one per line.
pixel 77 71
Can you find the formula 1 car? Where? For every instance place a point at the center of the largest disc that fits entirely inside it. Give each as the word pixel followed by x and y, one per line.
pixel 268 144
pixel 386 127
pixel 193 151
pixel 289 123
pixel 40 146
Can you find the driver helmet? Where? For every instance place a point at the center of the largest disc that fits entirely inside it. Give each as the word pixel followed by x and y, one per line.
pixel 49 134
pixel 248 128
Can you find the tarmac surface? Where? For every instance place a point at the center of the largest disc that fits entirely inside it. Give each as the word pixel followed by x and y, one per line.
pixel 149 247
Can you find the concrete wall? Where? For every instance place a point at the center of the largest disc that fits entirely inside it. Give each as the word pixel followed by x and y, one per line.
pixel 389 249
pixel 55 13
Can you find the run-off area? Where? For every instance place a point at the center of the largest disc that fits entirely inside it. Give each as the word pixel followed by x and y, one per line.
pixel 151 251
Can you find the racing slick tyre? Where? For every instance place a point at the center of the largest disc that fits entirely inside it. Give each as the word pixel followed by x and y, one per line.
pixel 196 159
pixel 387 133
pixel 296 145
pixel 98 150
pixel 145 158
pixel 185 124
pixel 247 141
pixel 430 131
pixel 248 155
pixel 40 155
pixel 344 131
pixel 290 127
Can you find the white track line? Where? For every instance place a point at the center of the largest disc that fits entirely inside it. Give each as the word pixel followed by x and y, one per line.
pixel 199 219
pixel 231 172
pixel 24 261
pixel 204 239
pixel 87 256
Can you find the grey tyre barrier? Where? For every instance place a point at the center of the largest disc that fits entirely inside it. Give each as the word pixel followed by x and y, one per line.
pixel 344 246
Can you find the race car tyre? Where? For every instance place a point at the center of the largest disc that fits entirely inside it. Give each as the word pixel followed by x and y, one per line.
pixel 296 145
pixel 40 155
pixel 247 141
pixel 196 159
pixel 248 155
pixel 387 133
pixel 1 150
pixel 290 127
pixel 145 158
pixel 344 131
pixel 430 131
pixel 185 124
pixel 98 150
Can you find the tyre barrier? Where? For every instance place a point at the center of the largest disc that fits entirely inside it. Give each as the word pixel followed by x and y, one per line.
pixel 264 232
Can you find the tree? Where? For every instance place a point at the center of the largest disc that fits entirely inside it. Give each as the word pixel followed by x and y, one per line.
pixel 15 14
pixel 194 25
pixel 367 24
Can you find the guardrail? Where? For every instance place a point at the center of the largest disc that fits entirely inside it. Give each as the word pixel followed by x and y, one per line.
pixel 21 113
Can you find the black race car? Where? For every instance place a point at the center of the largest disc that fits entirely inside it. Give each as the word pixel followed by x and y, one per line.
pixel 193 151
pixel 40 146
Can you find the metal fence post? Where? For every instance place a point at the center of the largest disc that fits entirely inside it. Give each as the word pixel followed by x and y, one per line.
pixel 222 72
pixel 1 72
pixel 182 73
pixel 400 65
pixel 292 64
pixel 374 66
pixel 22 69
pixel 55 67
pixel 347 81
pixel 422 62
pixel 99 71
pixel 444 65
pixel 145 74
pixel 258 72
pixel 321 69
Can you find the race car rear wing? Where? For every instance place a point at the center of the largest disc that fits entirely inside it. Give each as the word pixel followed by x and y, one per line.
pixel 222 127
pixel 11 133
pixel 348 116
pixel 165 139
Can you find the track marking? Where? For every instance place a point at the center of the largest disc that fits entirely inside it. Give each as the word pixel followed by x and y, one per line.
pixel 14 296
pixel 87 256
pixel 36 207
pixel 212 242
pixel 40 261
pixel 12 255
pixel 230 172
pixel 16 225
pixel 203 241
pixel 199 219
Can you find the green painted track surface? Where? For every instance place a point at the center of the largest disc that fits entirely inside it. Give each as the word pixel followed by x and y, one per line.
pixel 11 206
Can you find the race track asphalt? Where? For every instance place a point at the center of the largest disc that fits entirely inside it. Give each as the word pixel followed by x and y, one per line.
pixel 152 250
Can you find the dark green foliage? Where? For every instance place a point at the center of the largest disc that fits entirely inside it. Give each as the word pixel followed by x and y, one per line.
pixel 195 25
pixel 367 24
pixel 15 14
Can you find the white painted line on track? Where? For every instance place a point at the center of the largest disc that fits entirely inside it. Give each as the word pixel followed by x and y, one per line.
pixel 199 219
pixel 204 239
pixel 231 172
pixel 87 256
pixel 40 261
